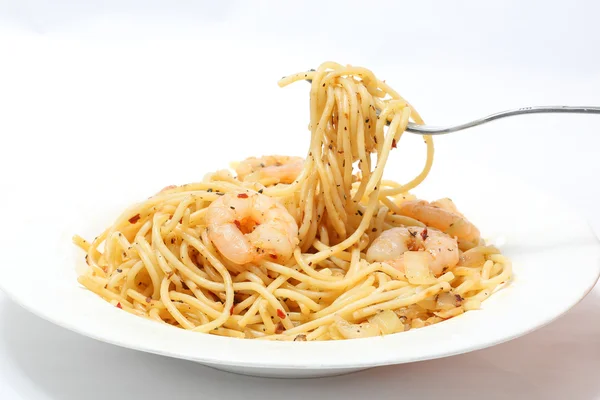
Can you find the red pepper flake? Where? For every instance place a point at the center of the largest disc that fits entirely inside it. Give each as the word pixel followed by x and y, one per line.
pixel 393 143
pixel 119 305
pixel 273 256
pixel 242 196
pixel 237 223
pixel 148 299
pixel 231 310
pixel 424 233
pixel 280 313
pixel 134 219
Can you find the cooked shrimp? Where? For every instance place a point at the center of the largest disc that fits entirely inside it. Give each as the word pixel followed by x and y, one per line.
pixel 443 215
pixel 391 245
pixel 247 227
pixel 167 188
pixel 282 169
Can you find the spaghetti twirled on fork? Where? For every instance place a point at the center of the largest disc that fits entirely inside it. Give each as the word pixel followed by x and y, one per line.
pixel 302 249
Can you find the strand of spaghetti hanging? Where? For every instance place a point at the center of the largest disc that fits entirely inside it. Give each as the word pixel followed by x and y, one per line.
pixel 350 110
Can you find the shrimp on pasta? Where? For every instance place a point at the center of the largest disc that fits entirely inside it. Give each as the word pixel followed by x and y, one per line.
pixel 276 169
pixel 247 227
pixel 391 245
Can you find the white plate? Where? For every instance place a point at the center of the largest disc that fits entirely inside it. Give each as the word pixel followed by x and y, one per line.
pixel 556 263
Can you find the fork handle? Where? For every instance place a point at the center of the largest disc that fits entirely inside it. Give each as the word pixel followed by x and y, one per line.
pixel 441 130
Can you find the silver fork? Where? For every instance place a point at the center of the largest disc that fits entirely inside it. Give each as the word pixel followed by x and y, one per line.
pixel 441 130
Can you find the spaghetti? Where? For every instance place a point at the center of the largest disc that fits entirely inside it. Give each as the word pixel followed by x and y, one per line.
pixel 319 248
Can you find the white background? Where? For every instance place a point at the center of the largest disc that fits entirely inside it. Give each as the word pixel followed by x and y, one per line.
pixel 89 92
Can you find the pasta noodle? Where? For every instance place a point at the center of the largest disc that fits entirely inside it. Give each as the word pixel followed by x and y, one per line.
pixel 319 248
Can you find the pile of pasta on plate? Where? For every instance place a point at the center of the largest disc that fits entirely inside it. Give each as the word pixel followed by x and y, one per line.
pixel 290 248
